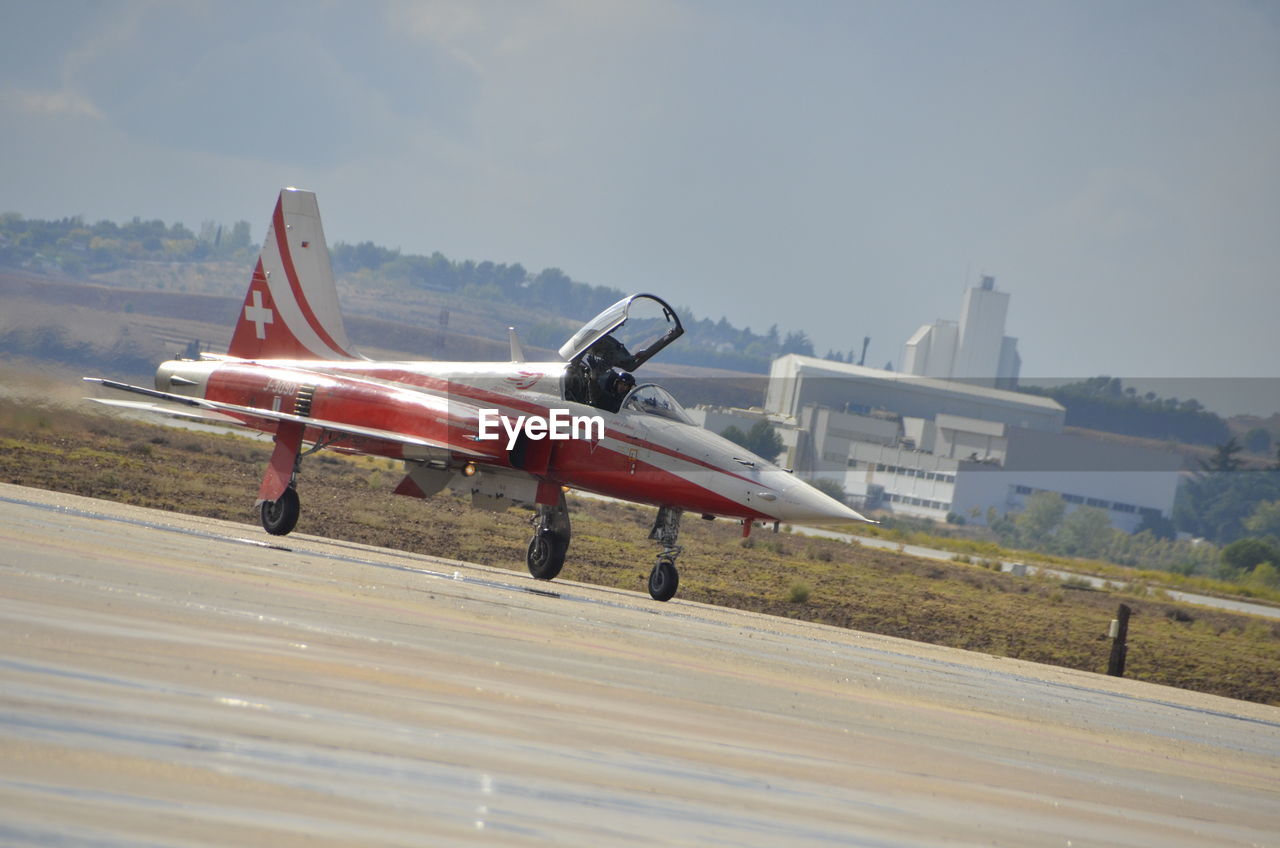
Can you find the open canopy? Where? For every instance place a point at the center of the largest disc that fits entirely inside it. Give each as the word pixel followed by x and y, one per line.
pixel 626 334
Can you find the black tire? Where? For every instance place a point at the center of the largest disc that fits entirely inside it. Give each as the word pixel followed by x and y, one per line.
pixel 546 555
pixel 280 517
pixel 664 580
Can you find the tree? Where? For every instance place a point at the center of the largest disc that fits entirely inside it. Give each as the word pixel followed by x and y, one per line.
pixel 1041 518
pixel 1243 555
pixel 238 238
pixel 1257 440
pixel 735 435
pixel 1264 575
pixel 1224 457
pixel 1265 520
pixel 761 439
pixel 1217 500
pixel 554 290
pixel 1085 532
pixel 797 342
pixel 764 441
pixel 1157 525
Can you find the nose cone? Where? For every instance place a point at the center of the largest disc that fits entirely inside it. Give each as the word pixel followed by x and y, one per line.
pixel 803 504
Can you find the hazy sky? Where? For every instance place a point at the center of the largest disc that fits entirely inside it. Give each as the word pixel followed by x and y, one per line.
pixel 846 168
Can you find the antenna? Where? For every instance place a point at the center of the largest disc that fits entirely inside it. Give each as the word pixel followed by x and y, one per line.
pixel 517 352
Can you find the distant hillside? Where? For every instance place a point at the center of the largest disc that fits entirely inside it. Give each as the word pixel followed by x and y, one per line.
pixel 435 290
pixel 121 332
pixel 1103 403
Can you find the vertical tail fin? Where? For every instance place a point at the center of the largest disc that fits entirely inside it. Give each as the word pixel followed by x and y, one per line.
pixel 291 309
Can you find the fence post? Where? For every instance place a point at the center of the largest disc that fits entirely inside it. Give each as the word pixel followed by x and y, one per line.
pixel 1119 635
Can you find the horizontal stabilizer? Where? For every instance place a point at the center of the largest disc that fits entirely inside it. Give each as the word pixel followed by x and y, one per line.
pixel 160 409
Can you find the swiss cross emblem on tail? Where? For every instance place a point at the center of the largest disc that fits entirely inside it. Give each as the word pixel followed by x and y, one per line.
pixel 291 309
pixel 258 315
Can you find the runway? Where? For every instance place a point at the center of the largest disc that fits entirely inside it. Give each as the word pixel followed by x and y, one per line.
pixel 172 681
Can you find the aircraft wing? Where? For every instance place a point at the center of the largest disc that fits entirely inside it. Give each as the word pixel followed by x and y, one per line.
pixel 225 413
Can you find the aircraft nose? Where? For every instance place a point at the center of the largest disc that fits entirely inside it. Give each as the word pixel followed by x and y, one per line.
pixel 803 503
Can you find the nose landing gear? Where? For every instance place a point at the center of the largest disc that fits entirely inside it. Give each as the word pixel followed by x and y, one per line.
pixel 664 580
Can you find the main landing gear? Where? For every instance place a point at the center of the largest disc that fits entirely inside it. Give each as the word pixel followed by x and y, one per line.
pixel 280 515
pixel 665 579
pixel 550 540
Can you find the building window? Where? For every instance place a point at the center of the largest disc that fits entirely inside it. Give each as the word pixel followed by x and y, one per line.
pixel 1022 490
pixel 1149 512
pixel 1098 503
pixel 1123 507
pixel 1075 499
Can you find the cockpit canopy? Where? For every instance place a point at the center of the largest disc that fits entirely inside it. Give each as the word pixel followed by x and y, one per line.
pixel 652 399
pixel 626 334
pixel 616 342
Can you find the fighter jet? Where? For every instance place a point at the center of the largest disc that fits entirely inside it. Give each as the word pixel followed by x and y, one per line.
pixel 503 432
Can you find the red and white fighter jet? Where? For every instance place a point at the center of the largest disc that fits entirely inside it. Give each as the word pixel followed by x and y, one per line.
pixel 506 432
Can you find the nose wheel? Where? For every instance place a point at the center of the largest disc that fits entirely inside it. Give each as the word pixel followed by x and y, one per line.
pixel 665 579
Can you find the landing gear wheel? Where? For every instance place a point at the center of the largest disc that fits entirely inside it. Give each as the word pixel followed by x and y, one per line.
pixel 546 555
pixel 664 580
pixel 281 516
pixel 550 541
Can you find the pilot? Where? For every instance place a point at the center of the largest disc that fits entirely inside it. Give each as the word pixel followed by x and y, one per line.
pixel 615 386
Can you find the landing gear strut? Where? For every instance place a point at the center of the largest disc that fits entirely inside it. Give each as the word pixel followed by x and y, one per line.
pixel 550 540
pixel 665 579
pixel 280 516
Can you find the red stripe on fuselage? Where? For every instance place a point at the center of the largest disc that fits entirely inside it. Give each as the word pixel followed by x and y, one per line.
pixel 474 394
pixel 581 464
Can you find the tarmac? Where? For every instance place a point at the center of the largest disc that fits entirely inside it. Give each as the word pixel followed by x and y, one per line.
pixel 173 681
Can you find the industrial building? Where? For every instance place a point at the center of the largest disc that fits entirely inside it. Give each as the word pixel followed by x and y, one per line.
pixel 974 348
pixel 929 447
pixel 798 381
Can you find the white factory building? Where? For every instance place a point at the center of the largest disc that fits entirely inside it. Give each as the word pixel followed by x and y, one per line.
pixel 974 348
pixel 928 447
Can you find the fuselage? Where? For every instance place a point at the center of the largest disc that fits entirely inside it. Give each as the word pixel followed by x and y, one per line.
pixel 651 457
